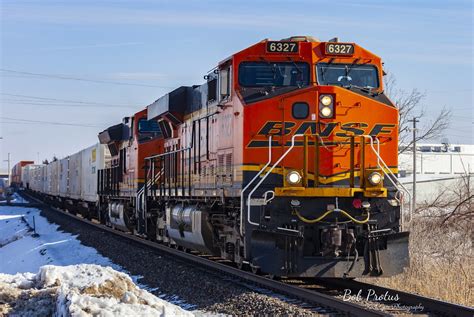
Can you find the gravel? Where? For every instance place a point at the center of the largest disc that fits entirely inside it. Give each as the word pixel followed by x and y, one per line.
pixel 182 283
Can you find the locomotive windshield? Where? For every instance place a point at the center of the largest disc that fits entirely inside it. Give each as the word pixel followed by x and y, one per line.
pixel 365 76
pixel 273 74
pixel 147 130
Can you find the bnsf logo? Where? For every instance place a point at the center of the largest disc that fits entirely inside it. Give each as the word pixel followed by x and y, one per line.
pixel 324 130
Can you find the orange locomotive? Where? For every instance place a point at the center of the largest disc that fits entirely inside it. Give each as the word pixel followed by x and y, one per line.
pixel 283 160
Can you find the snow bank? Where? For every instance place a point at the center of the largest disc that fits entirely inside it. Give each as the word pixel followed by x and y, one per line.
pixel 21 251
pixel 79 290
pixel 18 199
pixel 15 198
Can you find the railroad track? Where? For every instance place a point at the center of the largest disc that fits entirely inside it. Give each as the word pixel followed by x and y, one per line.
pixel 316 294
pixel 431 305
pixel 396 301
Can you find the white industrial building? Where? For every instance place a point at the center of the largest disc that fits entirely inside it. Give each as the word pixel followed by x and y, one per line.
pixel 438 159
pixel 439 167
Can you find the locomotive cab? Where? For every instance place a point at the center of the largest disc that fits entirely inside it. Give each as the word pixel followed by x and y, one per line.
pixel 121 181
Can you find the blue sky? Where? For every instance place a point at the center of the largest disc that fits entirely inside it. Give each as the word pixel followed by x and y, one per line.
pixel 164 44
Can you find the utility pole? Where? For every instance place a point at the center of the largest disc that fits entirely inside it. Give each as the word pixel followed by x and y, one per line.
pixel 8 160
pixel 414 121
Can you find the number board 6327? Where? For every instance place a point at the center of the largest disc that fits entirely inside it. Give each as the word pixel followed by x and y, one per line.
pixel 339 49
pixel 282 47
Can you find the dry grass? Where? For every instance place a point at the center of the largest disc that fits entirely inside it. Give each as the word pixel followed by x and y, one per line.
pixel 441 265
pixel 441 251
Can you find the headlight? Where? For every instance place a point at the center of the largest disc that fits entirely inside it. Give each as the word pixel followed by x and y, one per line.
pixel 293 177
pixel 326 100
pixel 326 112
pixel 326 106
pixel 375 178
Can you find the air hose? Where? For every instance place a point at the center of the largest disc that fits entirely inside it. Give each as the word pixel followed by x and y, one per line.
pixel 312 220
pixel 356 256
pixel 329 212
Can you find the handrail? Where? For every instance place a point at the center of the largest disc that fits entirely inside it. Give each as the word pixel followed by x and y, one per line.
pixel 250 183
pixel 151 180
pixel 266 175
pixel 385 168
pixel 141 193
pixel 168 153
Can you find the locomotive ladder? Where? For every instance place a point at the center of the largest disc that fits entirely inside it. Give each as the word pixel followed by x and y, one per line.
pixel 249 197
pixel 393 179
pixel 141 199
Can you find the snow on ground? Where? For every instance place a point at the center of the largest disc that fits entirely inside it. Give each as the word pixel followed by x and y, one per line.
pixel 73 279
pixel 21 251
pixel 79 290
pixel 18 199
pixel 15 199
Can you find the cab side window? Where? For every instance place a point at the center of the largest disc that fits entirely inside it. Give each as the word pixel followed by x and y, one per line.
pixel 148 130
pixel 225 76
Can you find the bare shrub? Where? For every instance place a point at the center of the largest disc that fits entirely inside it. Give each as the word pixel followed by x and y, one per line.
pixel 441 248
pixel 409 104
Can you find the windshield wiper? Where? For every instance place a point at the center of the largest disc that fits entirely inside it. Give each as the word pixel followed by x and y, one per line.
pixel 348 69
pixel 274 71
pixel 325 70
pixel 297 68
pixel 366 89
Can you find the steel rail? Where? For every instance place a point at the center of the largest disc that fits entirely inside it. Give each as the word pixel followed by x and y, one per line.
pixel 308 296
pixel 16 204
pixel 431 305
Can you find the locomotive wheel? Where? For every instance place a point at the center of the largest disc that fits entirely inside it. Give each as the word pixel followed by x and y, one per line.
pixel 242 266
pixel 255 269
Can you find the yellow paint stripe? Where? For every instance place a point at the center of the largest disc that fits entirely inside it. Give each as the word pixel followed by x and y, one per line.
pixel 328 192
pixel 322 179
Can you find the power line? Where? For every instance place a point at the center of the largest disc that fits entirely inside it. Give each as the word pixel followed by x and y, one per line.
pixel 48 122
pixel 81 79
pixel 42 104
pixel 447 91
pixel 40 123
pixel 65 100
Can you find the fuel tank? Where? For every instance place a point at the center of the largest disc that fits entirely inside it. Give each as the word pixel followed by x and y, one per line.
pixel 117 216
pixel 189 227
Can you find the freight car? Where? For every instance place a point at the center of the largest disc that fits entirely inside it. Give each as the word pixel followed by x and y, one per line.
pixel 27 175
pixel 16 175
pixel 71 182
pixel 283 161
